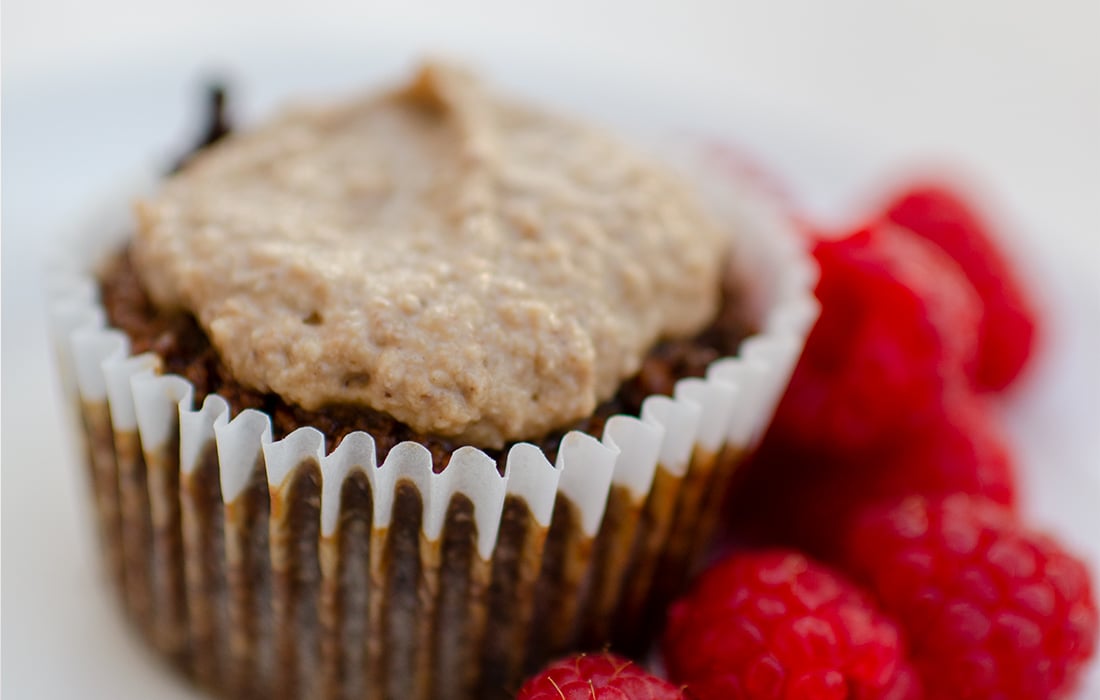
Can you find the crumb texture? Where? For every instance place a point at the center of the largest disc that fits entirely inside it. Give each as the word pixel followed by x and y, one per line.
pixel 471 266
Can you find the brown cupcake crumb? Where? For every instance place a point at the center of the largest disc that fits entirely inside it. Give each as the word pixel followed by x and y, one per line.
pixel 185 350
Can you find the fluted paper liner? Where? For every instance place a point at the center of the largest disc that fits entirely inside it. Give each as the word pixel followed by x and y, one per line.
pixel 280 569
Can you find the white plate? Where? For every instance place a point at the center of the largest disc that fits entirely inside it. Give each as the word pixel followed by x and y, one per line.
pixel 72 136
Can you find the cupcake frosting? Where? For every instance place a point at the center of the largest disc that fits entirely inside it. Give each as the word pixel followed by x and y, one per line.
pixel 472 266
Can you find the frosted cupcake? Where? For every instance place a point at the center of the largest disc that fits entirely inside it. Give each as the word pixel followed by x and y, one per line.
pixel 398 397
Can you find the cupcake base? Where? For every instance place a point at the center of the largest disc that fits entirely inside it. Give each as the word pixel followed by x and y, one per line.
pixel 251 600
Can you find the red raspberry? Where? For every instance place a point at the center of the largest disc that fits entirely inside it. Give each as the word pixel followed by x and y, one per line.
pixel 774 624
pixel 799 495
pixel 896 330
pixel 603 676
pixel 990 608
pixel 1008 320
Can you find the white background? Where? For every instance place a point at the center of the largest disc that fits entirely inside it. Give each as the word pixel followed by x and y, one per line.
pixel 837 97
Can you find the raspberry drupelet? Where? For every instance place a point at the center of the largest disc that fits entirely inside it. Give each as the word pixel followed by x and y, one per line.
pixel 896 332
pixel 602 676
pixel 1008 321
pixel 805 495
pixel 776 625
pixel 991 609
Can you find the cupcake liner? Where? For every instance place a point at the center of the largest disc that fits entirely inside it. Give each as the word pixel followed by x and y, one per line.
pixel 282 569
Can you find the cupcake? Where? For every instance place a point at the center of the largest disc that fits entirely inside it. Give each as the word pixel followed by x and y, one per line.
pixel 397 398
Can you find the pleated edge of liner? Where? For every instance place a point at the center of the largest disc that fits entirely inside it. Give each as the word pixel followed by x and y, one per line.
pixel 731 405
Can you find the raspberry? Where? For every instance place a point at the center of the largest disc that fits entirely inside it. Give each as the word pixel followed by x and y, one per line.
pixel 990 608
pixel 801 495
pixel 603 676
pixel 896 330
pixel 1008 320
pixel 774 624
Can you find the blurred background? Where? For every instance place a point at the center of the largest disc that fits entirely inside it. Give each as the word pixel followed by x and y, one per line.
pixel 836 98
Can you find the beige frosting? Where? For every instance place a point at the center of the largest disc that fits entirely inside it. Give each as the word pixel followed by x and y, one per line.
pixel 471 266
